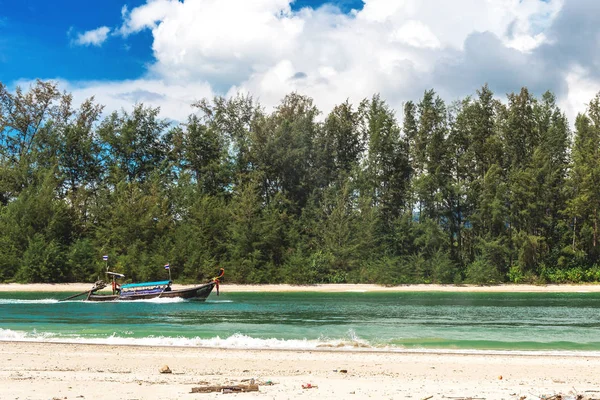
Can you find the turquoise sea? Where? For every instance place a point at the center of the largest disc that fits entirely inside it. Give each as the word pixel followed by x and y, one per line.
pixel 407 321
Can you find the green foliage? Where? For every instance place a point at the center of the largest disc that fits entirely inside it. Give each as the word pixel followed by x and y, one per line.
pixel 571 275
pixel 389 270
pixel 43 262
pixel 10 259
pixel 82 261
pixel 495 253
pixel 479 191
pixel 443 269
pixel 480 272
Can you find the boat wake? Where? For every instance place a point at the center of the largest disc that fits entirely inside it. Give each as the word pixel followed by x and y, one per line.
pixel 22 301
pixel 162 300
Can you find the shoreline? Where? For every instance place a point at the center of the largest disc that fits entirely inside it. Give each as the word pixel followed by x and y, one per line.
pixel 352 350
pixel 331 288
pixel 89 371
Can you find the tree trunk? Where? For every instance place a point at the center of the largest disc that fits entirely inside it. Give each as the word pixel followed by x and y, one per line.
pixel 595 226
pixel 574 231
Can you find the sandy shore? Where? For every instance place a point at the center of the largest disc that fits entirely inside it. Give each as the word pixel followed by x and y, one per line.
pixel 329 288
pixel 78 371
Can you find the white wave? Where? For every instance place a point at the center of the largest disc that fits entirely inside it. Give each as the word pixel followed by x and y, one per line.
pixel 241 341
pixel 19 336
pixel 161 300
pixel 21 301
pixel 236 341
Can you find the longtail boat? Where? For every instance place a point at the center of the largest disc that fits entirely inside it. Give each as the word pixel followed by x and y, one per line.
pixel 148 290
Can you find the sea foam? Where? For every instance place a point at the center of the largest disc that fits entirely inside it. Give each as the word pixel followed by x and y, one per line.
pixel 22 301
pixel 241 341
pixel 235 341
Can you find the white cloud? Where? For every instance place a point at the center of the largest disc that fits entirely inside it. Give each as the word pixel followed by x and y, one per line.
pixel 581 90
pixel 453 21
pixel 223 41
pixel 174 100
pixel 94 37
pixel 416 34
pixel 397 48
pixel 526 43
pixel 146 16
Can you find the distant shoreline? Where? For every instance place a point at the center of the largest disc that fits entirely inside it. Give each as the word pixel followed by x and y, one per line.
pixel 331 288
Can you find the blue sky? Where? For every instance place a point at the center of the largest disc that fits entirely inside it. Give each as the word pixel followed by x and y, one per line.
pixel 36 39
pixel 170 53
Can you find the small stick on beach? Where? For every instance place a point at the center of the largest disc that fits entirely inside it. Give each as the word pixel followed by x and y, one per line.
pixel 225 389
pixel 466 398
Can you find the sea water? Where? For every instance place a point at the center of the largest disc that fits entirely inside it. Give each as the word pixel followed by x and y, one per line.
pixel 406 321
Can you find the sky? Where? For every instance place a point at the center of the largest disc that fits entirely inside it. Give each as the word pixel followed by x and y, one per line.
pixel 171 53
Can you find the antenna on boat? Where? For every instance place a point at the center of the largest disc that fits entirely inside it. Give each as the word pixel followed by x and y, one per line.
pixel 105 258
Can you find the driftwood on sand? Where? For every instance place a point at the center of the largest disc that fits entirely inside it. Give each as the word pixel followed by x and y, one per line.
pixel 225 389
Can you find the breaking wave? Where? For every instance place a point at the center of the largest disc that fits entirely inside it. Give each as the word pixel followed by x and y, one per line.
pixel 240 341
pixel 235 341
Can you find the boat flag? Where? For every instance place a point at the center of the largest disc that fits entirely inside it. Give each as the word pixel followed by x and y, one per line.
pixel 167 266
pixel 105 258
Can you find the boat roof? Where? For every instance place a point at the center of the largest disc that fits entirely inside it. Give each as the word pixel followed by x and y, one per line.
pixel 144 284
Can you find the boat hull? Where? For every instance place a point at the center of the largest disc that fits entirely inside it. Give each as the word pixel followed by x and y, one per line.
pixel 199 293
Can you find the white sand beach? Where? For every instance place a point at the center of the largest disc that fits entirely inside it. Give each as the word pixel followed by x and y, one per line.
pixel 325 288
pixel 81 371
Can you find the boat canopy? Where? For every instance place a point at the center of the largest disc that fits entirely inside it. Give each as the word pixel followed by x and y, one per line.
pixel 145 284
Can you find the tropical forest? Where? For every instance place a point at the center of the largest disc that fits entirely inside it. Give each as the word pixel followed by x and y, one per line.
pixel 488 189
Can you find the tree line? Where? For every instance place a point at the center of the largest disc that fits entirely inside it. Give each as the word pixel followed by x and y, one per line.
pixel 480 190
